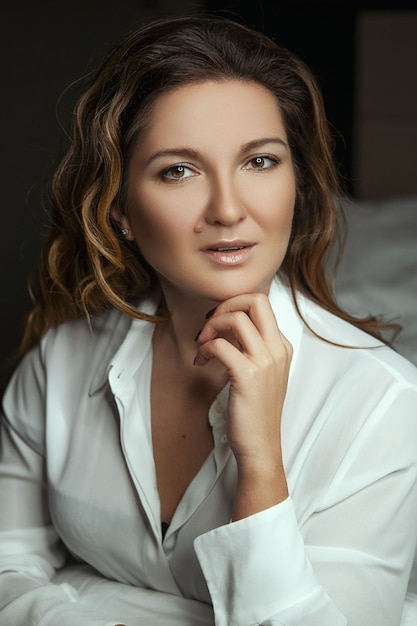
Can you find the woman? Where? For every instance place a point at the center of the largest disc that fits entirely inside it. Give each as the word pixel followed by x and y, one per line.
pixel 197 433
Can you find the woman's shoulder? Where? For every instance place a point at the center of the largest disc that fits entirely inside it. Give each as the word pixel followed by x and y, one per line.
pixel 356 347
pixel 71 359
pixel 84 335
pixel 334 345
pixel 71 347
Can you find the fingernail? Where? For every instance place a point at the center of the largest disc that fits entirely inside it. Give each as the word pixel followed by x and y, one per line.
pixel 210 313
pixel 198 334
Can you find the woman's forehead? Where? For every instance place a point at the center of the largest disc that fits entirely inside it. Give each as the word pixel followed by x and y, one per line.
pixel 215 106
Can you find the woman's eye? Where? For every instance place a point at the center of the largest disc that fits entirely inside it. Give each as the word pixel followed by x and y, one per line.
pixel 177 172
pixel 261 163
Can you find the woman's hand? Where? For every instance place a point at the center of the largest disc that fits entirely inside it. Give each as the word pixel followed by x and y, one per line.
pixel 243 335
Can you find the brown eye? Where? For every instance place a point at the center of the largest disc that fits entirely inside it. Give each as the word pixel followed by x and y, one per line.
pixel 258 162
pixel 261 163
pixel 177 171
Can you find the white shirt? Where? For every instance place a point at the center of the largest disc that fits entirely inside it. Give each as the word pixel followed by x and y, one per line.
pixel 77 470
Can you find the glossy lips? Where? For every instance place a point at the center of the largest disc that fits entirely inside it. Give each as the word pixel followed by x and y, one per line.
pixel 230 252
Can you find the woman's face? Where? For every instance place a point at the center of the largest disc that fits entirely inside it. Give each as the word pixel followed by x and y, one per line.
pixel 211 190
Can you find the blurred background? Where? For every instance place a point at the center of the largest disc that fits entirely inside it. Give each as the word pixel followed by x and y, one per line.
pixel 364 55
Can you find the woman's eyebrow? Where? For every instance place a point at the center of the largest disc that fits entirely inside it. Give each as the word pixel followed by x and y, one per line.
pixel 258 143
pixel 194 154
pixel 178 152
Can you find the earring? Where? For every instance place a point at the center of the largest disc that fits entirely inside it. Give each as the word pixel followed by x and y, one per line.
pixel 125 232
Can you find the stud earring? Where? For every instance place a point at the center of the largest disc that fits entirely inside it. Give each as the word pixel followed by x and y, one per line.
pixel 125 232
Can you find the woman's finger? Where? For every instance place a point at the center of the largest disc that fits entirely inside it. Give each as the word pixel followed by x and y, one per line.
pixel 258 309
pixel 237 331
pixel 248 322
pixel 235 327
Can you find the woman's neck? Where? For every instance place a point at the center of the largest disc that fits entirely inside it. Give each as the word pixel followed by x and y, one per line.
pixel 186 317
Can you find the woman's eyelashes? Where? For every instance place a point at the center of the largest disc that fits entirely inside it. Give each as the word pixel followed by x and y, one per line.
pixel 177 172
pixel 181 171
pixel 262 162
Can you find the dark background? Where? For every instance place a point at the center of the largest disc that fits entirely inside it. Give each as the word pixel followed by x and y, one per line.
pixel 46 46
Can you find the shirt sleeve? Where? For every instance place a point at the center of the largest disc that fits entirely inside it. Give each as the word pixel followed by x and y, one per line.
pixel 30 551
pixel 349 561
pixel 257 572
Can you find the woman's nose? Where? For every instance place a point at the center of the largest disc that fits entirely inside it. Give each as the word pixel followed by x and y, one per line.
pixel 225 204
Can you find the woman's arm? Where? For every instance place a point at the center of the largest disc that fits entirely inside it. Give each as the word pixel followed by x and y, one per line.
pixel 243 335
pixel 350 560
pixel 30 551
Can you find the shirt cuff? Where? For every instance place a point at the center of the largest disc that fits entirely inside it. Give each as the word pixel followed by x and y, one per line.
pixel 256 567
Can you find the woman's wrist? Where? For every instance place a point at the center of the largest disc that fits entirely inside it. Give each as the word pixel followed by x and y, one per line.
pixel 259 488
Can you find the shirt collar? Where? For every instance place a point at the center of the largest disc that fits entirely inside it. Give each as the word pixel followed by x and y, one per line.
pixel 288 319
pixel 119 341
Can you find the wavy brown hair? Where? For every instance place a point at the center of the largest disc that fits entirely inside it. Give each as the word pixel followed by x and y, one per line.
pixel 86 267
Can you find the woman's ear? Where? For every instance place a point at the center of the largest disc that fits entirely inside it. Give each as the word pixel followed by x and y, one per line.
pixel 122 221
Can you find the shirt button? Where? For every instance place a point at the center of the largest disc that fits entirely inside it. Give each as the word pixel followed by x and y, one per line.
pixel 223 439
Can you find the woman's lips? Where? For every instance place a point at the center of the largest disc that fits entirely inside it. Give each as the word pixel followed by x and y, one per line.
pixel 229 254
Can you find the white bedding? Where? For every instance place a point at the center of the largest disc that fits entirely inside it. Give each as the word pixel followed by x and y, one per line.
pixel 378 273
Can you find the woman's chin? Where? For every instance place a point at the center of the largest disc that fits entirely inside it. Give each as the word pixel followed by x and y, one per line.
pixel 227 292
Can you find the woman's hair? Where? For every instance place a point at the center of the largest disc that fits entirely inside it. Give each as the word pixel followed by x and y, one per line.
pixel 86 266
